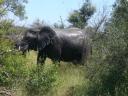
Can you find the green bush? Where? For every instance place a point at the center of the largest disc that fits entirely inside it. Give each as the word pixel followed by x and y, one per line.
pixel 41 80
pixel 12 64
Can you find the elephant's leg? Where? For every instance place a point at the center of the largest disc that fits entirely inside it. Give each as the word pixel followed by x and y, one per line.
pixel 57 56
pixel 85 57
pixel 41 58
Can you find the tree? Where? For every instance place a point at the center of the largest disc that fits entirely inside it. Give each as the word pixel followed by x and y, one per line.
pixel 79 18
pixel 120 12
pixel 16 7
pixel 109 74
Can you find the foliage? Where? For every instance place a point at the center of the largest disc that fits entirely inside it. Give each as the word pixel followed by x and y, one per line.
pixel 41 81
pixel 79 18
pixel 12 64
pixel 108 67
pixel 17 7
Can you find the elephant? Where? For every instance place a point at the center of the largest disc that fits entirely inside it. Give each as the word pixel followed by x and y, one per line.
pixel 69 44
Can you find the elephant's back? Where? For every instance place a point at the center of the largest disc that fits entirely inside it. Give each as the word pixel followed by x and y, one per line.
pixel 68 32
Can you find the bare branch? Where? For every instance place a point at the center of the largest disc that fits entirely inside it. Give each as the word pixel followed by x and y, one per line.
pixel 7 5
pixel 98 23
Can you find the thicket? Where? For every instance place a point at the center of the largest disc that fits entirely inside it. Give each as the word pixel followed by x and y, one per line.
pixel 41 80
pixel 108 69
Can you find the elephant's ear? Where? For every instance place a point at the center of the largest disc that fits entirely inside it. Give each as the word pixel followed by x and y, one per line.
pixel 45 37
pixel 43 42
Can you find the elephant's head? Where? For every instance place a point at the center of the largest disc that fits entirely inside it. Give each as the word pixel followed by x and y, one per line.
pixel 28 42
pixel 46 37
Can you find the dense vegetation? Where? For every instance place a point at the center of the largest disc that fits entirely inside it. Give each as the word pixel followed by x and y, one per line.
pixel 108 66
pixel 106 73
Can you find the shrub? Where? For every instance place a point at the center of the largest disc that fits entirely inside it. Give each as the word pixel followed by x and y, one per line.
pixel 12 64
pixel 41 80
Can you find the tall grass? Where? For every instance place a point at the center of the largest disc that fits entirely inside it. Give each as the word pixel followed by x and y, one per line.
pixel 68 76
pixel 26 79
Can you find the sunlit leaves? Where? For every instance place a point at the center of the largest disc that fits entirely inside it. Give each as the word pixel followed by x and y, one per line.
pixel 79 18
pixel 17 7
